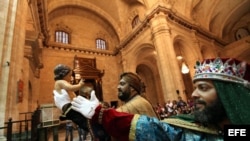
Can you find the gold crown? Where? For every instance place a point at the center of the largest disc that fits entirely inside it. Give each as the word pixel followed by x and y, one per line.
pixel 228 69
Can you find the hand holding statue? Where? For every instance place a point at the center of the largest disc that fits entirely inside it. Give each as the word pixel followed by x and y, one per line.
pixel 63 102
pixel 84 106
pixel 82 82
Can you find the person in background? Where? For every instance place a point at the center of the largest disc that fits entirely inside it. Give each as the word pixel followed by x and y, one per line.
pixel 221 97
pixel 169 107
pixel 69 130
pixel 181 102
pixel 82 134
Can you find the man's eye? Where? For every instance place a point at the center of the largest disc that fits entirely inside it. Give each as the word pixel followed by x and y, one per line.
pixel 122 83
pixel 203 87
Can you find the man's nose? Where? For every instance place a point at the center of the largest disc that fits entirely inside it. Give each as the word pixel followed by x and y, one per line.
pixel 195 93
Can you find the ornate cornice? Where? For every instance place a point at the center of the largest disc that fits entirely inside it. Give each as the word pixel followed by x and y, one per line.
pixel 33 51
pixel 43 18
pixel 71 48
pixel 140 28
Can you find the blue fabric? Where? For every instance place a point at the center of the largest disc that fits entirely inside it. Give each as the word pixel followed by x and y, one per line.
pixel 151 129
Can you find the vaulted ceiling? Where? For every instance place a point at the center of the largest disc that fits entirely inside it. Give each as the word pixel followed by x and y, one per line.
pixel 220 17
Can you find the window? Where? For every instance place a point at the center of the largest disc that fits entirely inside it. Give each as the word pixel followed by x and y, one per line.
pixel 101 44
pixel 62 37
pixel 135 21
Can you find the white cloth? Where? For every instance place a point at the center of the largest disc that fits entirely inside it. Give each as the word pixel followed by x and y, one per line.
pixel 61 99
pixel 84 106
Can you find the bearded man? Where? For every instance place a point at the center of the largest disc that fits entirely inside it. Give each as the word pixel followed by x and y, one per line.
pixel 129 91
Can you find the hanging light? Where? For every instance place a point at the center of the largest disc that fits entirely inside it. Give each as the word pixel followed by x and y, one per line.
pixel 179 57
pixel 184 68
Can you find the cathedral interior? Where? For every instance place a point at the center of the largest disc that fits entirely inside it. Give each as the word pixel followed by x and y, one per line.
pixel 160 40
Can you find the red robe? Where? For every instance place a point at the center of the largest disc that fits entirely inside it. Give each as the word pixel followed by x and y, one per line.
pixel 116 124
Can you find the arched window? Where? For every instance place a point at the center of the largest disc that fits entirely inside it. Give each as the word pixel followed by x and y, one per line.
pixel 135 21
pixel 62 37
pixel 101 44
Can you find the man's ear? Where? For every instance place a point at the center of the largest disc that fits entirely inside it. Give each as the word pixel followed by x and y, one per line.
pixel 132 89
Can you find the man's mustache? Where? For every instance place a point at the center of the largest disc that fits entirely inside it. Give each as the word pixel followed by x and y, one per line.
pixel 199 102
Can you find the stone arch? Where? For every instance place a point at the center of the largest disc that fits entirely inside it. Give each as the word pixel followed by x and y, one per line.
pixel 183 47
pixel 146 67
pixel 150 78
pixel 54 5
pixel 189 51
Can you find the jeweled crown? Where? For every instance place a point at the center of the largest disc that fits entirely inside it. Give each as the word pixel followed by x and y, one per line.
pixel 228 69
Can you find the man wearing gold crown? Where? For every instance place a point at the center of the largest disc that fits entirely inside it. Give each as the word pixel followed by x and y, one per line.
pixel 221 97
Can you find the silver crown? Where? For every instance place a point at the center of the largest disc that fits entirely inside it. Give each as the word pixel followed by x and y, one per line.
pixel 218 69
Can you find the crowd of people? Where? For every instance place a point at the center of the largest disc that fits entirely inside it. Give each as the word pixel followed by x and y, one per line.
pixel 174 107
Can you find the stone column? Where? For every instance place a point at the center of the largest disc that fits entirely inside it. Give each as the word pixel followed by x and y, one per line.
pixel 197 56
pixel 170 73
pixel 7 17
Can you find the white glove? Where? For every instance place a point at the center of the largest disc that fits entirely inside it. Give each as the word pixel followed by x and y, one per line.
pixel 84 106
pixel 61 99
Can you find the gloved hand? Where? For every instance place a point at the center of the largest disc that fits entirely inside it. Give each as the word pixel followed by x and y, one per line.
pixel 61 99
pixel 84 106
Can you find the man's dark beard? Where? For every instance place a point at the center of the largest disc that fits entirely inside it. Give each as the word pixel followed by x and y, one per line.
pixel 123 96
pixel 211 114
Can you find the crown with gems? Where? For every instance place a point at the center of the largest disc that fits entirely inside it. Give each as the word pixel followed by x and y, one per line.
pixel 228 69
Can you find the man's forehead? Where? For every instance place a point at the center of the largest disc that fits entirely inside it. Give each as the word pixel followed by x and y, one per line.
pixel 203 81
